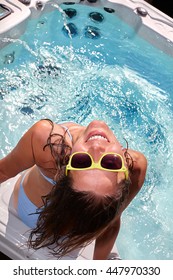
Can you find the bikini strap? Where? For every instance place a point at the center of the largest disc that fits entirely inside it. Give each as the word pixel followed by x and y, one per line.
pixel 50 180
pixel 68 131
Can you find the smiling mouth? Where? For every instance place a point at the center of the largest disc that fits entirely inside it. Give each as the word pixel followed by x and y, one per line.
pixel 97 137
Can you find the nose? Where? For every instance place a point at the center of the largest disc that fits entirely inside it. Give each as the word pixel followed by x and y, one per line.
pixel 96 150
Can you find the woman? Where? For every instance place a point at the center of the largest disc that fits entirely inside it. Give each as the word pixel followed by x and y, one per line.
pixel 76 184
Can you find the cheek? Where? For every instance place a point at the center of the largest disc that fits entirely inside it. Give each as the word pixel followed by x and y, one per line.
pixel 116 148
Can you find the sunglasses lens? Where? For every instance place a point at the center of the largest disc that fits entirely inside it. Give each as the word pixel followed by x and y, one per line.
pixel 81 161
pixel 113 162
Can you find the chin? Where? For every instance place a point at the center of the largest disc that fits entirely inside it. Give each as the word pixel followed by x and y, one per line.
pixel 98 123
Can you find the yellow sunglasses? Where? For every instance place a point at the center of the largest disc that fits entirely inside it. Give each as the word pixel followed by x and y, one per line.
pixel 108 161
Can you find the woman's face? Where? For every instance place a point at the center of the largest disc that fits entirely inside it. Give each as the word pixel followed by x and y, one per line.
pixel 96 139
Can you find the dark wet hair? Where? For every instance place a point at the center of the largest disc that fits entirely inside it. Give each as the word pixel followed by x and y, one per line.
pixel 70 218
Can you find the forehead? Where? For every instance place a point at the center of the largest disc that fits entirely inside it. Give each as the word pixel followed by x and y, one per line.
pixel 98 181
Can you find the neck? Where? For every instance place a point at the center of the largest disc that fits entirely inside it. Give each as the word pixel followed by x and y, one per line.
pixel 76 131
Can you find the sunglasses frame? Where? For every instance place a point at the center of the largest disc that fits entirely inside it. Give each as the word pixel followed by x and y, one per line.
pixel 97 165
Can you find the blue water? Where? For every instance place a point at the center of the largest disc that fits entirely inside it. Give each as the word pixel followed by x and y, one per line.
pixel 117 77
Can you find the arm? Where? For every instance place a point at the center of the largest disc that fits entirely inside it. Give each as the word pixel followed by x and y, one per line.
pixel 28 151
pixel 105 242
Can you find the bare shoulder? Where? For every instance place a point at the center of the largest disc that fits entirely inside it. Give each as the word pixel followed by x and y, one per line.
pixel 47 126
pixel 139 159
pixel 43 128
pixel 40 133
pixel 139 169
pixel 137 176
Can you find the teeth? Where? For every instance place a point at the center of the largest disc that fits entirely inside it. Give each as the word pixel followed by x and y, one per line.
pixel 97 137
